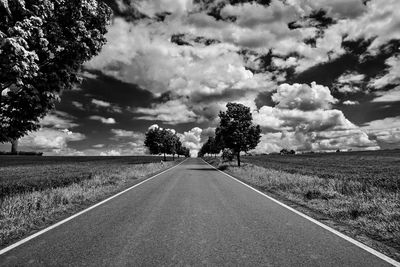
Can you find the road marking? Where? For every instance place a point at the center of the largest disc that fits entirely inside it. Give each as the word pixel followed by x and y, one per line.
pixel 349 239
pixel 19 243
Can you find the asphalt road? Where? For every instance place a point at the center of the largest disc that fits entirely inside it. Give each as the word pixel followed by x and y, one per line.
pixel 190 215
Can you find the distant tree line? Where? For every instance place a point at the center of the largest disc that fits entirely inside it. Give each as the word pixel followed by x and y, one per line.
pixel 161 141
pixel 236 133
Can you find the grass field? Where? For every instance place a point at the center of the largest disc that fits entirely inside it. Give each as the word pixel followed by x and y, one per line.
pixel 359 189
pixel 19 174
pixel 36 191
pixel 370 168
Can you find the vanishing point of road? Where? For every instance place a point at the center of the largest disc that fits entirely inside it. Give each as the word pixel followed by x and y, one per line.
pixel 191 215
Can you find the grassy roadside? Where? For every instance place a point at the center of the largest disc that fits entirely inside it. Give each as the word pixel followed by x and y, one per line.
pixel 27 212
pixel 372 213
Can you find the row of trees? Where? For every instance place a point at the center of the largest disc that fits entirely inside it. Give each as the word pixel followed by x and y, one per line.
pixel 164 141
pixel 236 132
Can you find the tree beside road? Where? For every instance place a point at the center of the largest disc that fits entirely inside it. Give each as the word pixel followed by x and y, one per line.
pixel 43 44
pixel 235 132
pixel 164 141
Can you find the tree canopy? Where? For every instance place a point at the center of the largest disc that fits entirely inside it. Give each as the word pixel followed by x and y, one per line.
pixel 164 141
pixel 43 44
pixel 236 130
pixel 210 147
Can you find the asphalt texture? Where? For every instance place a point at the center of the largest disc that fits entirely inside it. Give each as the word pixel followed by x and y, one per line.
pixel 191 215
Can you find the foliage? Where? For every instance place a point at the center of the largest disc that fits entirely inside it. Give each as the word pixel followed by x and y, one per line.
pixel 209 147
pixel 287 152
pixel 236 130
pixel 227 154
pixel 43 44
pixel 164 141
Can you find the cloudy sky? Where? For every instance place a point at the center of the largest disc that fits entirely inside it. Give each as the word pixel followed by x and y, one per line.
pixel 318 75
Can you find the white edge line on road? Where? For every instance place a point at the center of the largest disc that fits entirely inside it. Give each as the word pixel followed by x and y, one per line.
pixel 6 249
pixel 349 239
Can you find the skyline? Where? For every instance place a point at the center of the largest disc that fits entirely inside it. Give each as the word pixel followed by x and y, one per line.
pixel 317 76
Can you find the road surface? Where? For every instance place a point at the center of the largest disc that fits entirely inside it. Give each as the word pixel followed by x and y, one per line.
pixel 190 215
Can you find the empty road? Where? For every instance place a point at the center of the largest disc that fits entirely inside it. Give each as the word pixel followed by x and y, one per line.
pixel 190 215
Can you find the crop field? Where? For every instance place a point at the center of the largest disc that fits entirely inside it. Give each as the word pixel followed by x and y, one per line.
pixel 36 191
pixel 19 174
pixel 371 168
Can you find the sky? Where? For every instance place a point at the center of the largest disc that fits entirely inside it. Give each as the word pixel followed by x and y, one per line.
pixel 318 75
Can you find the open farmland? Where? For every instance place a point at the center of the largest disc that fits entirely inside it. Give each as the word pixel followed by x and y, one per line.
pixel 19 174
pixel 370 168
pixel 36 191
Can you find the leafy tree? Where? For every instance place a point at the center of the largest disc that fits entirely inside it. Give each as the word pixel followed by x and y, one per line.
pixel 43 44
pixel 237 130
pixel 175 145
pixel 186 152
pixel 227 154
pixel 161 141
pixel 153 141
pixel 211 147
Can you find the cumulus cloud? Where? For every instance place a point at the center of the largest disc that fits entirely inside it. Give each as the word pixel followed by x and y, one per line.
pixel 171 112
pixel 193 80
pixel 192 140
pixel 58 119
pixel 391 77
pixel 380 21
pixel 351 78
pixel 349 82
pixel 152 7
pixel 121 134
pixel 349 102
pixel 49 139
pixel 102 119
pixel 386 132
pixel 304 120
pixel 276 119
pixel 78 105
pixel 388 96
pixel 303 96
pixel 99 146
pixel 101 103
pixel 110 153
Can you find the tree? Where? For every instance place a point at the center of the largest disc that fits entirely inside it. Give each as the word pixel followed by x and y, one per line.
pixel 237 130
pixel 175 145
pixel 211 147
pixel 43 44
pixel 153 141
pixel 160 141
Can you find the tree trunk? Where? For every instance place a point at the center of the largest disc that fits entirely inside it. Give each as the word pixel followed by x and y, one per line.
pixel 173 157
pixel 238 158
pixel 165 158
pixel 14 146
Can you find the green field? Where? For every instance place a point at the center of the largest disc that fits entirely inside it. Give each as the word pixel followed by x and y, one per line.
pixel 19 174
